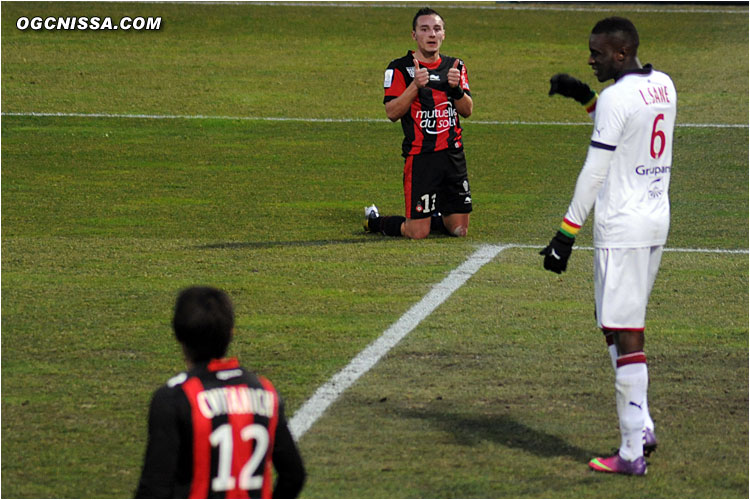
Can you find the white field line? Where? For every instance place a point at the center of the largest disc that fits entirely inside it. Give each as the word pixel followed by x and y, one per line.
pixel 737 251
pixel 329 392
pixel 320 120
pixel 598 7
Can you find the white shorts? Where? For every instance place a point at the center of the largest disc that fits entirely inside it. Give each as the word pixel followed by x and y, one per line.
pixel 623 279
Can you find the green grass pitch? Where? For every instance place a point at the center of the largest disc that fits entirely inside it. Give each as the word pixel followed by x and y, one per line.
pixel 504 391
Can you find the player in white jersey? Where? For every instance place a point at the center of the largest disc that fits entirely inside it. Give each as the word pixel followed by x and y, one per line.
pixel 626 179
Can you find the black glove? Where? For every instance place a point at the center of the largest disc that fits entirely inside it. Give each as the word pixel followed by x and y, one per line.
pixel 567 86
pixel 557 253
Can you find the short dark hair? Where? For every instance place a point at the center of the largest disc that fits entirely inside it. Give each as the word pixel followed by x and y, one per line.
pixel 425 11
pixel 203 322
pixel 620 26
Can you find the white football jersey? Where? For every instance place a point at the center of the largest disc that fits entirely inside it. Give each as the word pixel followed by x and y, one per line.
pixel 635 119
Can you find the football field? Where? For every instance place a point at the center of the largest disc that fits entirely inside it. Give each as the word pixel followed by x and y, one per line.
pixel 237 145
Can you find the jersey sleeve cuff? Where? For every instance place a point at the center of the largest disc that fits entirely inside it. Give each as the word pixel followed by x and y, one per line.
pixel 569 228
pixel 590 105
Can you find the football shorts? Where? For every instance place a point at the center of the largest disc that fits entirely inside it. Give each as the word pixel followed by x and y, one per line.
pixel 436 183
pixel 623 279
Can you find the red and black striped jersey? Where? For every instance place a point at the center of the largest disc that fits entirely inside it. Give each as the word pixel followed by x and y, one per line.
pixel 432 123
pixel 215 432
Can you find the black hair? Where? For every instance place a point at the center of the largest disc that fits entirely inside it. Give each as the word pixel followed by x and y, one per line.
pixel 203 322
pixel 425 11
pixel 621 27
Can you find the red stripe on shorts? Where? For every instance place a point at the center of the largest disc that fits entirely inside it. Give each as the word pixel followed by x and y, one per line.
pixel 407 185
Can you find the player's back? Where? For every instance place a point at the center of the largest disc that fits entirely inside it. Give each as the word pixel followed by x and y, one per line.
pixel 232 420
pixel 635 117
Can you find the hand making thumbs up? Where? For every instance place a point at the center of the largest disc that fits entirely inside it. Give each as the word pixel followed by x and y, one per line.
pixel 421 75
pixel 454 75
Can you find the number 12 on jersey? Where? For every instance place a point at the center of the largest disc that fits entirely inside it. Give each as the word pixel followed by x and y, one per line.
pixel 250 476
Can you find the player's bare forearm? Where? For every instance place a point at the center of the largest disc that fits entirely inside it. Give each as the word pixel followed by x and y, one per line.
pixel 464 106
pixel 398 107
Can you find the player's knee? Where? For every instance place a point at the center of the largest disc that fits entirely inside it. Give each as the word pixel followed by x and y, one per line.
pixel 460 231
pixel 418 234
pixel 416 229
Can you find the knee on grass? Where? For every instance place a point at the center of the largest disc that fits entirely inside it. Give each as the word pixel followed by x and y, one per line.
pixel 459 231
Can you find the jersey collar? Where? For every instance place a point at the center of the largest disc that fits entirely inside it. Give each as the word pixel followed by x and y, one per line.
pixel 646 70
pixel 433 65
pixel 216 365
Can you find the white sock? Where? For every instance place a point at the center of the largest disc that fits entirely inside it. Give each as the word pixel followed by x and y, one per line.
pixel 648 423
pixel 631 381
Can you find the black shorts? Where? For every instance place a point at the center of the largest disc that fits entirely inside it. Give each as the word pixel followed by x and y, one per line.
pixel 436 182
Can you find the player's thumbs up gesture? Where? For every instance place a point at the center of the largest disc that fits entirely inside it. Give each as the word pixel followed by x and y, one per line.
pixel 454 75
pixel 421 75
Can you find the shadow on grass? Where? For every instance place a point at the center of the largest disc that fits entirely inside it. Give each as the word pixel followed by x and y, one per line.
pixel 362 238
pixel 501 429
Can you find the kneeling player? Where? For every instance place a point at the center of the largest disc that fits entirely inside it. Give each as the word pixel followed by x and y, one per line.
pixel 428 91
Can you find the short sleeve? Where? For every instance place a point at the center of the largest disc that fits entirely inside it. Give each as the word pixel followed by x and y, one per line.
pixel 465 78
pixel 394 83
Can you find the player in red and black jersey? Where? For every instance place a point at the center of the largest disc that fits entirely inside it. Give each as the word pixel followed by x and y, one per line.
pixel 216 430
pixel 428 91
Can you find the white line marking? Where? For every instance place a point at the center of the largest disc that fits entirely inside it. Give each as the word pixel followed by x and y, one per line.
pixel 320 120
pixel 706 250
pixel 589 124
pixel 737 251
pixel 194 117
pixel 329 392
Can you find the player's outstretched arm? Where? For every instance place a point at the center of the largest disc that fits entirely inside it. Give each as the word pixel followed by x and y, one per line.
pixel 568 86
